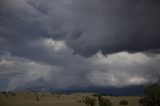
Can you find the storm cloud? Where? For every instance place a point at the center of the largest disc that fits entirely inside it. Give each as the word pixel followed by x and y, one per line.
pixel 65 70
pixel 58 44
pixel 116 25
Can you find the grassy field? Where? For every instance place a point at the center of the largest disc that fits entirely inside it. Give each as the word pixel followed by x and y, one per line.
pixel 50 99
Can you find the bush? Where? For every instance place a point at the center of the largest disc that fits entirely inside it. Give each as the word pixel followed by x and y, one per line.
pixel 4 92
pixel 12 94
pixel 79 101
pixel 105 102
pixel 90 101
pixel 37 98
pixel 123 102
pixel 95 95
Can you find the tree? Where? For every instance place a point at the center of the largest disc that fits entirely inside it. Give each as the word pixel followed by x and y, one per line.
pixel 104 102
pixel 141 101
pixel 123 102
pixel 90 101
pixel 152 95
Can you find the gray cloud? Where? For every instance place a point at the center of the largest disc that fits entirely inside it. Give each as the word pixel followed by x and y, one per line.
pixel 68 70
pixel 59 42
pixel 117 26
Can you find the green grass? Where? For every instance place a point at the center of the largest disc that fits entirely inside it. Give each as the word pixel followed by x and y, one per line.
pixel 48 99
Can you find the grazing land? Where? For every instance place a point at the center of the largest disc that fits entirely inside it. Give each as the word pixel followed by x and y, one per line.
pixel 53 99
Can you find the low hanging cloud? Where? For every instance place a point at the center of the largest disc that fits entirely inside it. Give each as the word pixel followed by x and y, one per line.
pixel 124 69
pixel 115 70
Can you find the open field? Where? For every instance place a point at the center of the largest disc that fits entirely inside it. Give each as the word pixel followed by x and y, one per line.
pixel 51 99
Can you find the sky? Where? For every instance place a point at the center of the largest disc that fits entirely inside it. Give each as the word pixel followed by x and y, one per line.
pixel 72 44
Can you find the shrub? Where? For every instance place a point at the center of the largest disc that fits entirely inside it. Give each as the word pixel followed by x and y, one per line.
pixel 96 95
pixel 4 92
pixel 79 101
pixel 36 95
pixel 37 98
pixel 123 102
pixel 58 96
pixel 12 94
pixel 105 102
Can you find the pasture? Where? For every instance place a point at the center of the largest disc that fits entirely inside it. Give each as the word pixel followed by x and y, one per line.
pixel 53 99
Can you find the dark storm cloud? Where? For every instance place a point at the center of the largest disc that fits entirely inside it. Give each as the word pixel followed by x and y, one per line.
pixel 86 26
pixel 120 25
pixel 60 44
pixel 116 70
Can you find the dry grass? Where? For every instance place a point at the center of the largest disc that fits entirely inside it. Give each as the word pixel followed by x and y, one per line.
pixel 132 100
pixel 49 99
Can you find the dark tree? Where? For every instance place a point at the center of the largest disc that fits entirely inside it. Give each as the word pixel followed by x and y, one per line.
pixel 152 96
pixel 141 101
pixel 90 101
pixel 123 102
pixel 103 101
